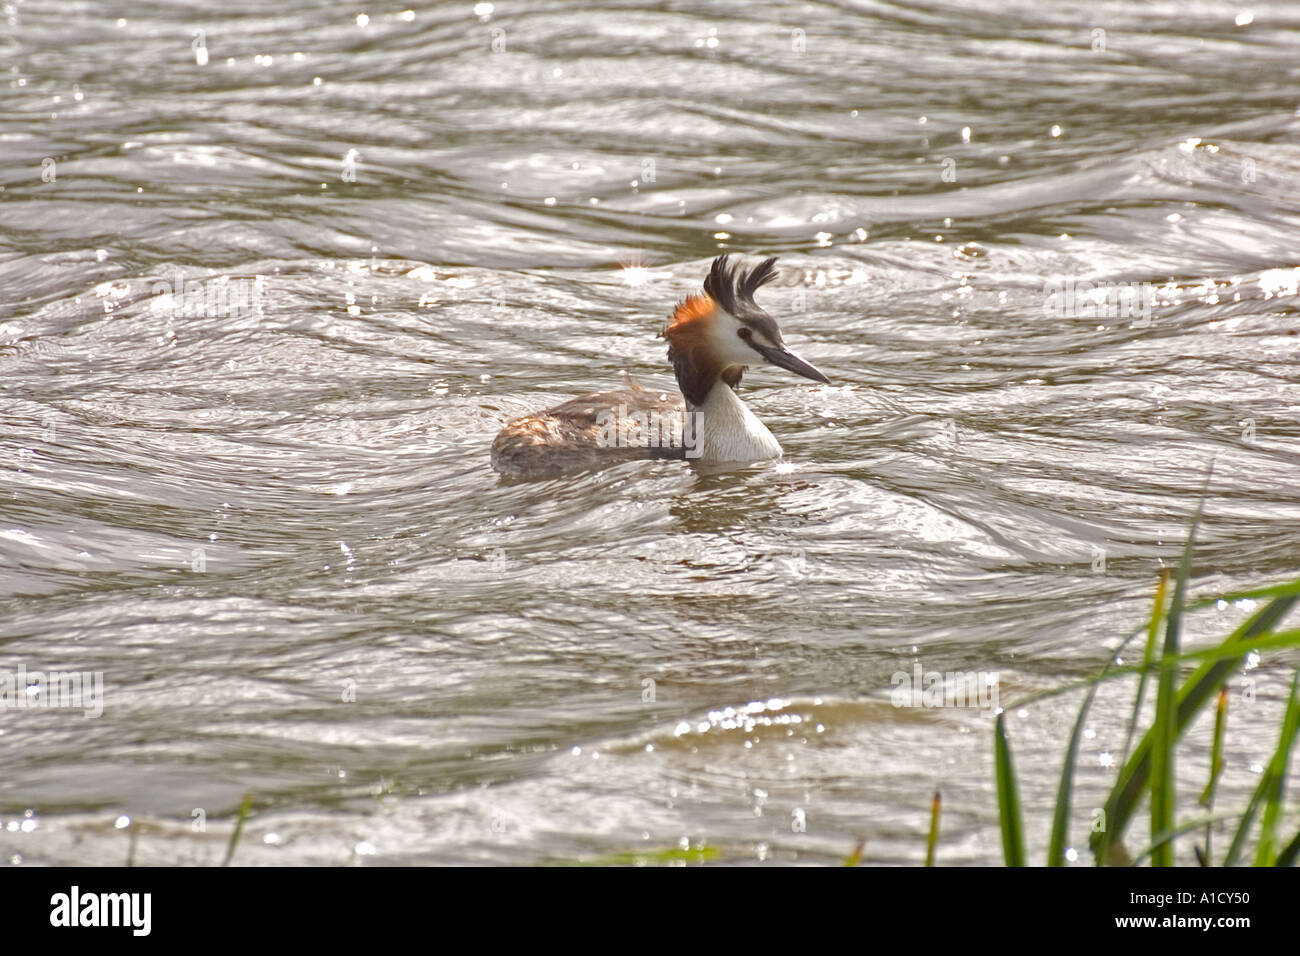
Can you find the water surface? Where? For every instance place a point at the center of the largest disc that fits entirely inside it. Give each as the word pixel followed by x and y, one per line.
pixel 271 280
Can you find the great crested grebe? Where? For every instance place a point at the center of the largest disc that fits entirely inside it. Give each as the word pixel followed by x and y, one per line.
pixel 712 338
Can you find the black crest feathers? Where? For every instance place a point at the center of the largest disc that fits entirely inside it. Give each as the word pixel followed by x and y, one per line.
pixel 732 286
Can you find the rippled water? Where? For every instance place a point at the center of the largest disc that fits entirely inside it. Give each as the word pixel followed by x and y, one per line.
pixel 270 281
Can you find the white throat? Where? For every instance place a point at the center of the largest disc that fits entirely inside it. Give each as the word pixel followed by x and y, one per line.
pixel 729 431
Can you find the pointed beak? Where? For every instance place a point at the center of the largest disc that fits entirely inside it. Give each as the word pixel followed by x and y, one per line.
pixel 791 363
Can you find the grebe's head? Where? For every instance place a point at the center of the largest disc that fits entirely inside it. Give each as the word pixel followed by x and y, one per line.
pixel 718 334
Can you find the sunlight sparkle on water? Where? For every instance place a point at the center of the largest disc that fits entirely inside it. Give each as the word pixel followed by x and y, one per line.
pixel 635 276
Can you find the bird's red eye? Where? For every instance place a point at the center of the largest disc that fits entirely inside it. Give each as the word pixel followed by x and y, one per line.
pixel 744 332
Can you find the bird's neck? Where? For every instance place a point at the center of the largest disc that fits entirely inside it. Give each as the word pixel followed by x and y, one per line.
pixel 728 430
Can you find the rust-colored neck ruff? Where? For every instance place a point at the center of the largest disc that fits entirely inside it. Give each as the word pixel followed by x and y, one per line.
pixel 690 334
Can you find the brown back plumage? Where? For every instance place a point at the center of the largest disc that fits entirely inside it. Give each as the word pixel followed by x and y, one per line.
pixel 525 447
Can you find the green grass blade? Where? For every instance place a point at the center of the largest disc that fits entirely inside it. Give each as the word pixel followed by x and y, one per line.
pixel 1206 680
pixel 1265 852
pixel 1228 651
pixel 933 840
pixel 1216 770
pixel 854 858
pixel 1292 851
pixel 1270 787
pixel 1216 750
pixel 244 809
pixel 1164 730
pixel 665 857
pixel 1169 835
pixel 1290 588
pixel 1203 683
pixel 1148 655
pixel 1269 640
pixel 1009 813
pixel 1261 795
pixel 1061 816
